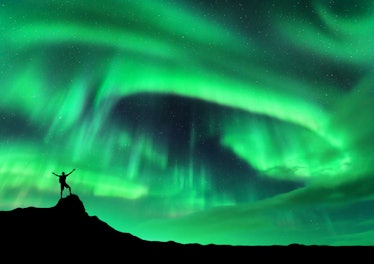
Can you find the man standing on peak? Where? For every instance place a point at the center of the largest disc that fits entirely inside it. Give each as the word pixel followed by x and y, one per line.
pixel 62 181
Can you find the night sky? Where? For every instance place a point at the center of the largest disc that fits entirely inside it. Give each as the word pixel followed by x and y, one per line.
pixel 224 122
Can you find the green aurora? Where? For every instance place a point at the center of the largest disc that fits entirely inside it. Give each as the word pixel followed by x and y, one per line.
pixel 241 123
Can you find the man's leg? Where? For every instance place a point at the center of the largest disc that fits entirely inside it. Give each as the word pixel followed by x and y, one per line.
pixel 67 186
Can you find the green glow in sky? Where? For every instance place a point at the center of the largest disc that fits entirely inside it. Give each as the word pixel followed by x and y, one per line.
pixel 193 121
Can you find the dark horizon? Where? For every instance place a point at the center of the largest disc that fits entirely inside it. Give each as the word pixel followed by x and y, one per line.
pixel 67 229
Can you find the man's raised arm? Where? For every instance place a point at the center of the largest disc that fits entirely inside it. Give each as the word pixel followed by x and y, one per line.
pixel 70 172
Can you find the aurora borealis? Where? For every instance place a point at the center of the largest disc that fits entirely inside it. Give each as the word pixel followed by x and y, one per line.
pixel 224 122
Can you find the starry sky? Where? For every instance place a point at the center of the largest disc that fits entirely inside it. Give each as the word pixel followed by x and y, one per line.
pixel 211 122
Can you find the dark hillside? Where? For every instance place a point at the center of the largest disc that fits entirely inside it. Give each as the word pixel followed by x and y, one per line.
pixel 67 232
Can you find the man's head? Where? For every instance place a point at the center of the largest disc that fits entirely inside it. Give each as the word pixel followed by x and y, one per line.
pixel 63 173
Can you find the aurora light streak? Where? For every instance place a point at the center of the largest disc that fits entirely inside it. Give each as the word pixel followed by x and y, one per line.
pixel 242 123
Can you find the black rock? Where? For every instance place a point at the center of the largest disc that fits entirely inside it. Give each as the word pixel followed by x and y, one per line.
pixel 67 232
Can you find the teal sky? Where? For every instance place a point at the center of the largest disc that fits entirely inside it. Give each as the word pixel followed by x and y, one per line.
pixel 211 122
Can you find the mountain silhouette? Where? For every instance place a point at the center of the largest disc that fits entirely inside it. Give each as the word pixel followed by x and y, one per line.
pixel 66 232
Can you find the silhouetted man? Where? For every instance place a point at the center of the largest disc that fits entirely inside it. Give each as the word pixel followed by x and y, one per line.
pixel 62 181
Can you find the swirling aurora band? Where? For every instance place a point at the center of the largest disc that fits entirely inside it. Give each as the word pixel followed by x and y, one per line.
pixel 237 123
